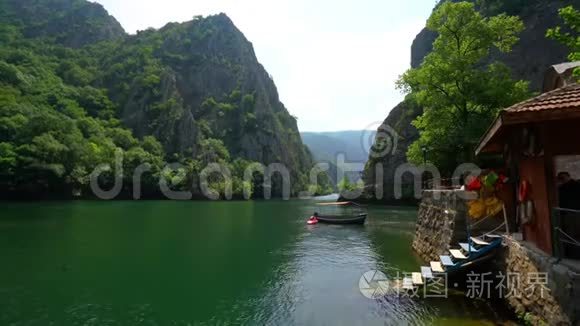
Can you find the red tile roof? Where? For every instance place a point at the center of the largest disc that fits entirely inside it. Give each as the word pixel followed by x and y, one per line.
pixel 560 104
pixel 565 98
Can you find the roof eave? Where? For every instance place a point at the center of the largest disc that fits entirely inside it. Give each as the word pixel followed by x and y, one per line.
pixel 489 135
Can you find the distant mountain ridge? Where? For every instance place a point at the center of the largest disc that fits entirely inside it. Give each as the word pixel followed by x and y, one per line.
pixel 353 144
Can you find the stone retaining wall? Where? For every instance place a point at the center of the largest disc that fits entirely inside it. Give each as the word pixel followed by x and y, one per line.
pixel 441 222
pixel 435 225
pixel 561 300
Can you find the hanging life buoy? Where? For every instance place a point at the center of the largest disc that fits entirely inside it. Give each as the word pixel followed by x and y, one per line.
pixel 526 212
pixel 526 205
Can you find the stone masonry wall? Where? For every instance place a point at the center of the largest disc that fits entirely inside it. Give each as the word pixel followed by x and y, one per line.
pixel 560 301
pixel 441 222
pixel 436 223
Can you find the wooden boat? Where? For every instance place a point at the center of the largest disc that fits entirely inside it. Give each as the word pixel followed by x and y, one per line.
pixel 460 261
pixel 354 214
pixel 360 219
pixel 480 251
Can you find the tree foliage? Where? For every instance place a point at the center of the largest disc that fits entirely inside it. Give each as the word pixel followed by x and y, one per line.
pixel 66 92
pixel 570 34
pixel 345 185
pixel 460 91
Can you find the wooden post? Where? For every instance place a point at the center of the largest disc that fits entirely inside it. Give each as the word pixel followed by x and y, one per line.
pixel 507 225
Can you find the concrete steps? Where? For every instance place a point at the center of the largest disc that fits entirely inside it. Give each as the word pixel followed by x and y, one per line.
pixel 437 267
pixel 445 261
pixel 426 272
pixel 408 283
pixel 457 254
pixel 467 248
pixel 417 279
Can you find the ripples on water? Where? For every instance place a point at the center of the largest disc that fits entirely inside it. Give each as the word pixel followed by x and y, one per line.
pixel 253 264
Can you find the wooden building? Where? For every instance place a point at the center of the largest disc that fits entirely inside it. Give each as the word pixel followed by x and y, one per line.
pixel 539 138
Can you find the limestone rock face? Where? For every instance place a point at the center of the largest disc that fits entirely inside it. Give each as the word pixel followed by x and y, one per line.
pixel 72 23
pixel 211 85
pixel 398 128
pixel 178 125
pixel 529 60
pixel 184 83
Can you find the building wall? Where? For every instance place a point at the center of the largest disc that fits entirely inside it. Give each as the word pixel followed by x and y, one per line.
pixel 557 138
pixel 561 137
pixel 539 230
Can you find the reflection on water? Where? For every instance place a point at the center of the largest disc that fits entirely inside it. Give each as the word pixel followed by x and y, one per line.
pixel 207 263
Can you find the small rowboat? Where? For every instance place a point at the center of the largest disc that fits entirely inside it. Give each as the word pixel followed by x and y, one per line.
pixel 312 221
pixel 360 219
pixel 354 214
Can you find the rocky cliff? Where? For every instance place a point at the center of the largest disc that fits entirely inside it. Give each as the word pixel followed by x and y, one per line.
pixel 196 87
pixel 398 122
pixel 202 80
pixel 72 23
pixel 530 58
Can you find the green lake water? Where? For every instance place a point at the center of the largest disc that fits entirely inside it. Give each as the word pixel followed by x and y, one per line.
pixel 208 263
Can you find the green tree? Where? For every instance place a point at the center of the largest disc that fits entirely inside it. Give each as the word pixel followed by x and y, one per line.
pixel 570 35
pixel 213 151
pixel 460 92
pixel 241 186
pixel 7 158
pixel 153 146
pixel 345 185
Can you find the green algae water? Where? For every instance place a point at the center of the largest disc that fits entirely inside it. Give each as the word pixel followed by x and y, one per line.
pixel 208 263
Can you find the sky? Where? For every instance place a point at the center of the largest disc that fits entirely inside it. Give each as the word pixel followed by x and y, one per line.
pixel 334 62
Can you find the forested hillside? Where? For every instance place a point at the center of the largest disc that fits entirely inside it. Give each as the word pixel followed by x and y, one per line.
pixel 74 89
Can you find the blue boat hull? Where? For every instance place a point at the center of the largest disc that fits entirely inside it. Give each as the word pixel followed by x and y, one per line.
pixel 475 258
